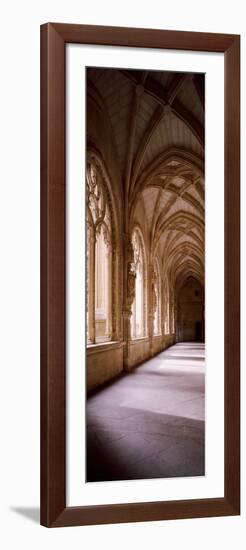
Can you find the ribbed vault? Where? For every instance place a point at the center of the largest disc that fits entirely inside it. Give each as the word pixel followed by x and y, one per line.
pixel 156 124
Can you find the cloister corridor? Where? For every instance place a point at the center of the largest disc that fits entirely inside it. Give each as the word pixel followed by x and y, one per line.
pixel 150 422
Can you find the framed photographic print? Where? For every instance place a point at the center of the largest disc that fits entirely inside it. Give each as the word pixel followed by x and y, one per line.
pixel 140 289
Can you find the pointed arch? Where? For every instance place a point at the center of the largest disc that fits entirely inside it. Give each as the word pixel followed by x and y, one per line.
pixel 102 257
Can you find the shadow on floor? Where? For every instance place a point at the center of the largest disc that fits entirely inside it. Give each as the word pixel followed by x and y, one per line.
pixel 33 514
pixel 144 445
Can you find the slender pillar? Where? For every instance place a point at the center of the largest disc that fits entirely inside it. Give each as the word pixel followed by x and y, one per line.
pixel 152 306
pixel 129 295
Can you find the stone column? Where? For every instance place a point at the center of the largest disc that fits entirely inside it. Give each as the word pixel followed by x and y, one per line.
pixel 152 307
pixel 128 298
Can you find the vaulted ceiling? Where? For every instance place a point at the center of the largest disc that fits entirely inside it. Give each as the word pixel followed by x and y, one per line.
pixel 157 121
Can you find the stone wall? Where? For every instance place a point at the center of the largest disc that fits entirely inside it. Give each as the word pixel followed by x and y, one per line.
pixel 145 348
pixel 103 362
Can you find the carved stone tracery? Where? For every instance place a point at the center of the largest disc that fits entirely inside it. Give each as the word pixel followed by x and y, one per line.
pixel 100 220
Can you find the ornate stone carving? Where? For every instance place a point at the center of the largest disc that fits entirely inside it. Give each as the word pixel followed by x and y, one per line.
pixel 131 279
pixel 95 195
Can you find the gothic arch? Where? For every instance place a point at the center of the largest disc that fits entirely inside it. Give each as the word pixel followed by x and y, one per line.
pixel 102 240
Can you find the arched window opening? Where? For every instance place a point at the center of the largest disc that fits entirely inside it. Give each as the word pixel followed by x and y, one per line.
pixel 156 299
pixel 138 321
pixel 167 307
pixel 102 285
pixel 99 259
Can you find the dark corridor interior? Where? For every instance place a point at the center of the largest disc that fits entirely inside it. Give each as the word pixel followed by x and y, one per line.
pixel 190 312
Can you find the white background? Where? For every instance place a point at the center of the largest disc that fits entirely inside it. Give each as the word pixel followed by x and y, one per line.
pixel 19 290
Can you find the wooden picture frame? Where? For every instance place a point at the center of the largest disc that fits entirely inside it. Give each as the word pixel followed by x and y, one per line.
pixel 54 512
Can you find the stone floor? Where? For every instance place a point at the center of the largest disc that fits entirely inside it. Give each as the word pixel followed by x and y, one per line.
pixel 150 423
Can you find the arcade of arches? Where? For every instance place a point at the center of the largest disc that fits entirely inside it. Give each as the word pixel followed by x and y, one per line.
pixel 145 217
